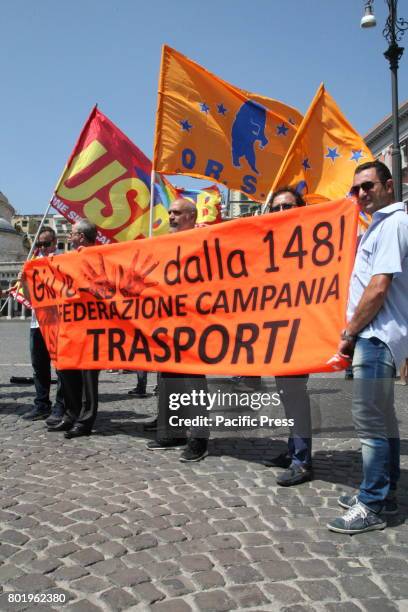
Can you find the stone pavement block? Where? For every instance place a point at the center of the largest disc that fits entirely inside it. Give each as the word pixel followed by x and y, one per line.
pixel 148 593
pixel 23 557
pixel 68 573
pixel 176 586
pixel 325 549
pixel 223 541
pixel 10 536
pixel 313 568
pixel 318 590
pixel 397 586
pixel 9 572
pixel 32 583
pixel 241 574
pixel 128 577
pixel 229 526
pixel 172 535
pixel 87 556
pixel 112 549
pixel 162 569
pixel 254 539
pixel 90 584
pixel 175 605
pixel 84 515
pixel 230 556
pixel 276 570
pixel 141 542
pixel 248 596
pixel 137 559
pixel 389 565
pixel 209 579
pixel 360 587
pixel 283 593
pixel 196 531
pixel 165 552
pixel 261 553
pixel 118 599
pixel 44 566
pixel 214 601
pixel 196 563
pixel 63 550
pixel 109 566
pixel 289 550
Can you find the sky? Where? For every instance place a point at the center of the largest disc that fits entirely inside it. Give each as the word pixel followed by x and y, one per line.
pixel 59 58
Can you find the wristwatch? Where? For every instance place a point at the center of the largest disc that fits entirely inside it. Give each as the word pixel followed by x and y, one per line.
pixel 347 337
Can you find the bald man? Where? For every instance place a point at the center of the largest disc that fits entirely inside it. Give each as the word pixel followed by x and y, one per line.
pixel 182 216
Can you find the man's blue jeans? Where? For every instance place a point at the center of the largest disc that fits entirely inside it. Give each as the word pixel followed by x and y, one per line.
pixel 375 421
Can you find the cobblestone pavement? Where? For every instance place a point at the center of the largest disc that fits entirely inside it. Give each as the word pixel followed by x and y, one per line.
pixel 113 527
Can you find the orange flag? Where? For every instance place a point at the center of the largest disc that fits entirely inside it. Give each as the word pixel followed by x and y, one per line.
pixel 209 128
pixel 324 153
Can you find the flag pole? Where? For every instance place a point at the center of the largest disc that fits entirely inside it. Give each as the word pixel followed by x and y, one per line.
pixel 152 182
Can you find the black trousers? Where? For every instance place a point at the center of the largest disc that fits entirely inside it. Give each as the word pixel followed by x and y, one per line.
pixel 170 386
pixel 80 388
pixel 41 362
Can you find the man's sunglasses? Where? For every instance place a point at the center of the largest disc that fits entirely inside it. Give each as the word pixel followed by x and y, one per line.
pixel 44 244
pixel 366 186
pixel 279 207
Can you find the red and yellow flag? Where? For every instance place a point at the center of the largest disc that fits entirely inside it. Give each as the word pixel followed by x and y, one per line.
pixel 107 180
pixel 209 128
pixel 324 153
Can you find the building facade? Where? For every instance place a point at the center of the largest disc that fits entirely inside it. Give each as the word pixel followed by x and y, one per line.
pixel 379 139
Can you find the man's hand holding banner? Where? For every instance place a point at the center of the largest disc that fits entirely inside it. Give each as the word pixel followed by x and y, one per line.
pixel 205 301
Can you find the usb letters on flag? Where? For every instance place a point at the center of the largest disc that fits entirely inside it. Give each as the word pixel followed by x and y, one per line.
pixel 208 128
pixel 324 154
pixel 107 180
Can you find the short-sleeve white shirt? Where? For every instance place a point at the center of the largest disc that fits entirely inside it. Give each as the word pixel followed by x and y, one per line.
pixel 383 249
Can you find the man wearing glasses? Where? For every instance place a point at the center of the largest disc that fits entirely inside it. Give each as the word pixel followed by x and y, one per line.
pixel 80 387
pixel 377 337
pixel 293 391
pixel 40 358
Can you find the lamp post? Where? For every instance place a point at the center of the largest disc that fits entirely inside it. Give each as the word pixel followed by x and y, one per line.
pixel 392 32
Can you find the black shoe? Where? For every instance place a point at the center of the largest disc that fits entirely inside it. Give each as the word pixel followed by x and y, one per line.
pixel 137 393
pixel 77 432
pixel 166 444
pixel 36 414
pixel 195 451
pixel 283 461
pixel 151 426
pixel 55 417
pixel 296 474
pixel 60 426
pixel 349 501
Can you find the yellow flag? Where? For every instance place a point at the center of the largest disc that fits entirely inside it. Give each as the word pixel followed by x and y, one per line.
pixel 323 155
pixel 209 128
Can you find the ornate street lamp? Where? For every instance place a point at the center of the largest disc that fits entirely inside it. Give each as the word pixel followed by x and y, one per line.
pixel 393 31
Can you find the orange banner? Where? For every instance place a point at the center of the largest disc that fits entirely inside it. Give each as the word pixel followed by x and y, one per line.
pixel 257 296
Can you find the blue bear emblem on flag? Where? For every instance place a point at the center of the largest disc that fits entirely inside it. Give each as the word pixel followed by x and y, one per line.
pixel 248 127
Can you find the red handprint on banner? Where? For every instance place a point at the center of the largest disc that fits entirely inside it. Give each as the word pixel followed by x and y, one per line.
pixel 100 284
pixel 128 282
pixel 133 281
